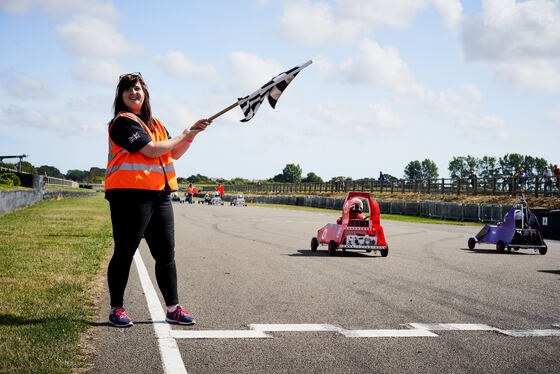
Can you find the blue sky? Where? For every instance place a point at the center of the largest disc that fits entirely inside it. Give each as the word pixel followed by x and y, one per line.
pixel 392 81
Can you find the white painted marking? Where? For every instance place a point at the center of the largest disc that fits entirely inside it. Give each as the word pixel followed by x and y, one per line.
pixel 529 333
pixel 294 327
pixel 218 334
pixel 452 326
pixel 412 333
pixel 170 355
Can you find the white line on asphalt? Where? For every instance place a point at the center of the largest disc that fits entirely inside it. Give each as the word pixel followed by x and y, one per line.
pixel 416 330
pixel 294 327
pixel 219 334
pixel 529 333
pixel 452 326
pixel 411 333
pixel 170 355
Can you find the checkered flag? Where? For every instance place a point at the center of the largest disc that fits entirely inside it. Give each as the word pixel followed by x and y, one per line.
pixel 273 89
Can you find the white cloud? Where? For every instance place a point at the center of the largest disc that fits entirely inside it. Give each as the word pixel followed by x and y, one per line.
pixel 519 40
pixel 250 72
pixel 104 72
pixel 336 115
pixel 553 116
pixel 23 87
pixel 377 65
pixel 95 8
pixel 479 127
pixel 530 77
pixel 316 22
pixel 511 31
pixel 20 116
pixel 176 64
pixel 96 38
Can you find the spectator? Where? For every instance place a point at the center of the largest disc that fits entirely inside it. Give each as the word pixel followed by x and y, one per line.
pixel 382 177
pixel 472 178
pixel 509 180
pixel 190 193
pixel 523 178
pixel 547 174
pixel 557 175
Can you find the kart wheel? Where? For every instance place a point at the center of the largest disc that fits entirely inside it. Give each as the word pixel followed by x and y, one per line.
pixel 314 244
pixel 500 246
pixel 471 243
pixel 542 251
pixel 384 252
pixel 332 248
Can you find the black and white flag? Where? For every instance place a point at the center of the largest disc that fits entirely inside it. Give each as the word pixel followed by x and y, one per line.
pixel 273 89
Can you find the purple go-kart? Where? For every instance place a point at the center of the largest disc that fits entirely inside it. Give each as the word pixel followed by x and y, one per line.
pixel 520 229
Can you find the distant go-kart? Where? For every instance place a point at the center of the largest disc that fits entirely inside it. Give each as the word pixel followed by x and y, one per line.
pixel 353 234
pixel 239 200
pixel 520 229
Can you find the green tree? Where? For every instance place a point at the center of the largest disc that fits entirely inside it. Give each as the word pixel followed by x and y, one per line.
pixel 487 167
pixel 413 170
pixel 74 174
pixel 458 167
pixel 510 163
pixel 312 178
pixel 429 169
pixel 292 173
pixel 95 175
pixel 50 170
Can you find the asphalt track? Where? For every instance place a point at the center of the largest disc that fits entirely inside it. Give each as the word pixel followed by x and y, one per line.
pixel 431 306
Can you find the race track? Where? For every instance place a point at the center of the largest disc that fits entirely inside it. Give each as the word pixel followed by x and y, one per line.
pixel 265 303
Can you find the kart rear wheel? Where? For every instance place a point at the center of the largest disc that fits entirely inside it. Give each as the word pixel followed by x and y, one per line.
pixel 314 244
pixel 384 252
pixel 332 248
pixel 471 243
pixel 542 251
pixel 500 246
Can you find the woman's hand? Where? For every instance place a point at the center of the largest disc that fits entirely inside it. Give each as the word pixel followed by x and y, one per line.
pixel 199 126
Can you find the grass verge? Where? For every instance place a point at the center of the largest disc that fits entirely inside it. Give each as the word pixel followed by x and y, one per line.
pixel 51 255
pixel 394 217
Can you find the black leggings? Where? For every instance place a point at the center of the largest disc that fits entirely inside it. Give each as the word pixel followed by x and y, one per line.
pixel 131 219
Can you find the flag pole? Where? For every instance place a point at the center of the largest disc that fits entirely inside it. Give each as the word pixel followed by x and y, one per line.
pixel 223 111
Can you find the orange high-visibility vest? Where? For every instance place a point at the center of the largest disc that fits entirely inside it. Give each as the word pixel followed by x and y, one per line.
pixel 134 170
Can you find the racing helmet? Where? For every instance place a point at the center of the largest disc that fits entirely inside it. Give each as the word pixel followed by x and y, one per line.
pixel 356 205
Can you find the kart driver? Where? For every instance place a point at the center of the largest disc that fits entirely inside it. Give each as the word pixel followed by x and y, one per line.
pixel 356 209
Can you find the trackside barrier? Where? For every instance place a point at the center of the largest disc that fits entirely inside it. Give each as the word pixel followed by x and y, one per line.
pixel 490 213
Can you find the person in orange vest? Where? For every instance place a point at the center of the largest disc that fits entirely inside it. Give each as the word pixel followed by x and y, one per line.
pixel 139 179
pixel 190 193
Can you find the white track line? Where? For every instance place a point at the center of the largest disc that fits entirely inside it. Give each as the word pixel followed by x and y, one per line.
pixel 529 333
pixel 452 326
pixel 219 334
pixel 170 354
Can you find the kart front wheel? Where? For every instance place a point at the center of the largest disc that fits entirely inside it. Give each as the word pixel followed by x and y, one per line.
pixel 500 246
pixel 471 243
pixel 543 250
pixel 314 244
pixel 384 252
pixel 332 248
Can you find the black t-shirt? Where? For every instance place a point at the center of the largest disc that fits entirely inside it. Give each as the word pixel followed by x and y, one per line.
pixel 132 136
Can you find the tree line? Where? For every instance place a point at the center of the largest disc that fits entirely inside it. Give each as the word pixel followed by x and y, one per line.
pixel 458 167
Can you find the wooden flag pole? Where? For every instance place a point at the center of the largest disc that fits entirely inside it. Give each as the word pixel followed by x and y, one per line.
pixel 223 111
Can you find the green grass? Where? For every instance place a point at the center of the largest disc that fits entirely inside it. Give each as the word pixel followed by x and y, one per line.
pixel 51 256
pixel 394 217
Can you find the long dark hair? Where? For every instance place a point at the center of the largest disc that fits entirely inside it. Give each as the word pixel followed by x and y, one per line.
pixel 125 82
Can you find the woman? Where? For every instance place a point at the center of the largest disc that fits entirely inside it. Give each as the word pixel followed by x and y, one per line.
pixel 139 179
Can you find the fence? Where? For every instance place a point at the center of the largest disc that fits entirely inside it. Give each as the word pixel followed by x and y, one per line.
pixel 481 186
pixel 52 181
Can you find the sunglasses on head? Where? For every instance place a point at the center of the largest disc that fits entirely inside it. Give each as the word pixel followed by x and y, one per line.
pixel 135 74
